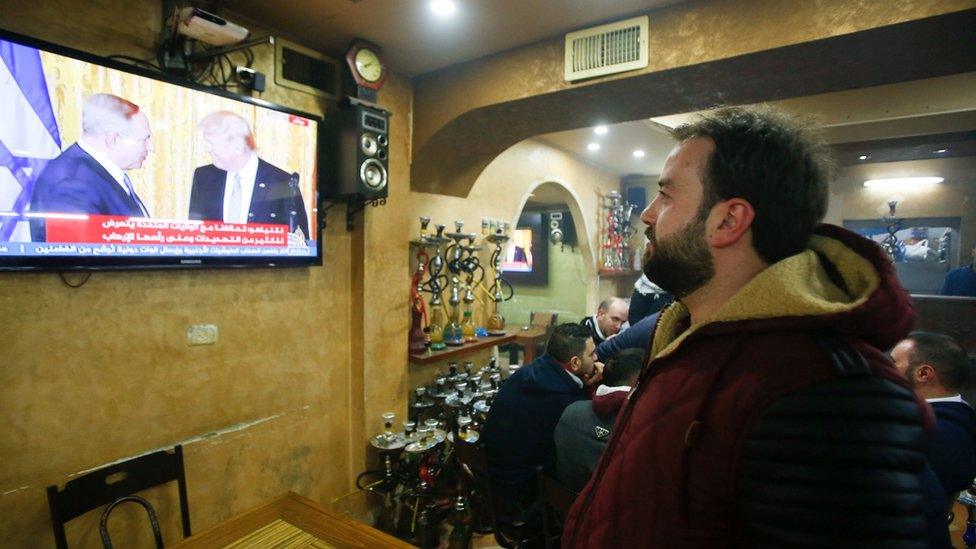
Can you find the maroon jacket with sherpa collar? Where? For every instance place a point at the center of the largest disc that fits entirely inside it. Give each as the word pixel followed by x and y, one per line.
pixel 667 477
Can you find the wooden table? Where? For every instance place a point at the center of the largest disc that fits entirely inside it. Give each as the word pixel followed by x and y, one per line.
pixel 292 522
pixel 528 340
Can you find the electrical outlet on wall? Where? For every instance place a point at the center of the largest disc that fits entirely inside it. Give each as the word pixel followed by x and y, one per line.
pixel 201 334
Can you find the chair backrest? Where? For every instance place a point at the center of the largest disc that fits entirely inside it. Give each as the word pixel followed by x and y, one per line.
pixel 553 497
pixel 106 485
pixel 542 318
pixel 473 469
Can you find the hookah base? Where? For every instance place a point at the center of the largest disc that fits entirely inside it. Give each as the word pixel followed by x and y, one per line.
pixel 437 346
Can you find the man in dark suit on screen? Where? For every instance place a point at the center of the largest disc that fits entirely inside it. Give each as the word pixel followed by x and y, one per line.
pixel 90 177
pixel 239 187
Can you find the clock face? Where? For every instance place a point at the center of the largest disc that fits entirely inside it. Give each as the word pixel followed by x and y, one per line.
pixel 368 65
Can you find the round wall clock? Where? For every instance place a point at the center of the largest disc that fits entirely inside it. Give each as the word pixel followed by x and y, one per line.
pixel 366 64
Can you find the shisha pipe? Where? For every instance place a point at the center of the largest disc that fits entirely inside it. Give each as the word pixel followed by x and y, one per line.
pixel 497 289
pixel 496 322
pixel 891 244
pixel 455 252
pixel 472 265
pixel 436 281
pixel 418 340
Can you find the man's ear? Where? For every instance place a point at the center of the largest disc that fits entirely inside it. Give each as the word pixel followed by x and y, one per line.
pixel 574 364
pixel 925 373
pixel 730 219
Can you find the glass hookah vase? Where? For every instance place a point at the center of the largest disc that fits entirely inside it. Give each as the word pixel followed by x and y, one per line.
pixel 452 333
pixel 467 323
pixel 436 327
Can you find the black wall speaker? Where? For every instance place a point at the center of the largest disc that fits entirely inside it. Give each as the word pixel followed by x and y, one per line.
pixel 561 228
pixel 355 153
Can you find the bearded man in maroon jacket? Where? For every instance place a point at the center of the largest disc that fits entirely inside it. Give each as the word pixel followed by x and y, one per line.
pixel 767 412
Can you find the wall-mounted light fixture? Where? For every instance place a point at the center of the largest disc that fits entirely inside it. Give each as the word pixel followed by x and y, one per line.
pixel 893 183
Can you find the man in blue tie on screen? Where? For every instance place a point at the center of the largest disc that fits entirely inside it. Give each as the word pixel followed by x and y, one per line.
pixel 90 177
pixel 239 187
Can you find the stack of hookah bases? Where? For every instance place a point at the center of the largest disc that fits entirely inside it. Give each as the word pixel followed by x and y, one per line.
pixel 417 483
pixel 496 322
pixel 616 251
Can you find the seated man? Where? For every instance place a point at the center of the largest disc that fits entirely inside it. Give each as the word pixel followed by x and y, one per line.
pixel 961 281
pixel 937 367
pixel 583 429
pixel 610 316
pixel 518 432
pixel 638 336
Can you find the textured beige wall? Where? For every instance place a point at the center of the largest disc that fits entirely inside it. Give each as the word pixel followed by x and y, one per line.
pixel 501 191
pixel 103 373
pixel 679 35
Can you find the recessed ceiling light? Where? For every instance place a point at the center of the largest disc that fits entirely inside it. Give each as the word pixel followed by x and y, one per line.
pixel 638 154
pixel 443 7
pixel 903 182
pixel 593 146
pixel 864 157
pixel 941 151
pixel 600 130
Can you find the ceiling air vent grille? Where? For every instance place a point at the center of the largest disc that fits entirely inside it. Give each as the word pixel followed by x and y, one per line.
pixel 607 49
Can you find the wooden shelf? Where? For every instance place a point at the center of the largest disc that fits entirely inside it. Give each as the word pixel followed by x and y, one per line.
pixel 455 352
pixel 612 274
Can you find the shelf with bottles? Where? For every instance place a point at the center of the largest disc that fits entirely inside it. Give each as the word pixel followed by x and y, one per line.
pixel 460 350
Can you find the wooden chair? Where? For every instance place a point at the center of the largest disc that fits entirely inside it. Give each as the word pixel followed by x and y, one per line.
pixel 555 499
pixel 117 484
pixel 540 319
pixel 473 470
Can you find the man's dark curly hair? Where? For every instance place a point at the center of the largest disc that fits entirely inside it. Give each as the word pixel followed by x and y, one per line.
pixel 772 161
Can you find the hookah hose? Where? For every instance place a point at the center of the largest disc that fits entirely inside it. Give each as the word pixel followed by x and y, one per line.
pixel 495 257
pixel 415 282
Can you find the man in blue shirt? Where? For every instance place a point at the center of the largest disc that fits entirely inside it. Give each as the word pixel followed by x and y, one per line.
pixel 961 281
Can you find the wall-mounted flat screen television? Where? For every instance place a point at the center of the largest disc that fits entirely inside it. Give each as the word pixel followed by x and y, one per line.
pixel 106 165
pixel 526 259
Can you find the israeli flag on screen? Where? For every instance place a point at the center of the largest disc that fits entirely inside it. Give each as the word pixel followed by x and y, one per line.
pixel 29 134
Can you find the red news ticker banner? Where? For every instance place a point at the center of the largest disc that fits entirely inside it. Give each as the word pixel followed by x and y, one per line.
pixel 106 229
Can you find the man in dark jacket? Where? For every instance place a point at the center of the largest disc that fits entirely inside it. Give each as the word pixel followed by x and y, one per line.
pixel 583 429
pixel 767 414
pixel 610 317
pixel 938 368
pixel 518 432
pixel 638 336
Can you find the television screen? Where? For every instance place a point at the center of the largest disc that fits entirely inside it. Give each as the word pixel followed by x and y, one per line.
pixel 526 259
pixel 104 165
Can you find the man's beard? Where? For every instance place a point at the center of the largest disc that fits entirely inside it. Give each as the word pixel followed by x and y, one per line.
pixel 680 263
